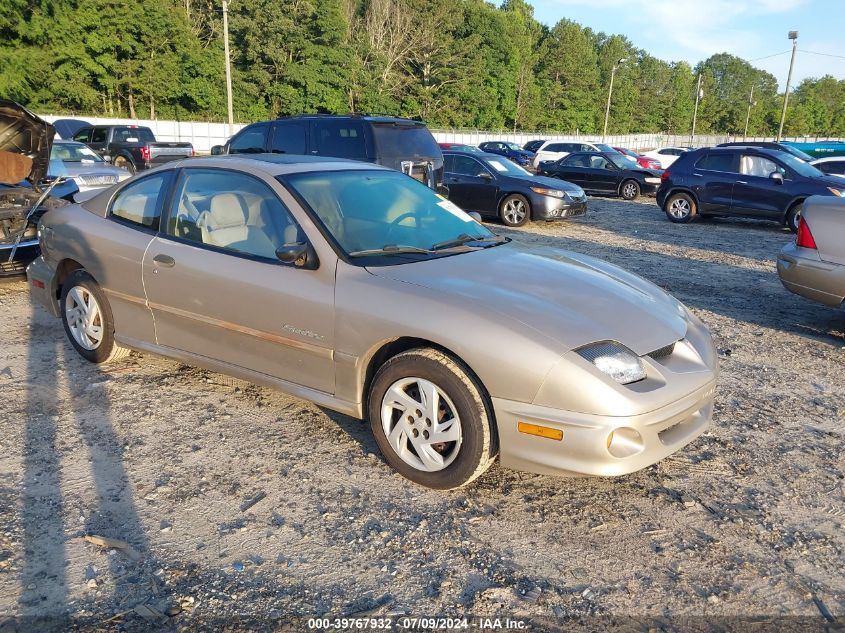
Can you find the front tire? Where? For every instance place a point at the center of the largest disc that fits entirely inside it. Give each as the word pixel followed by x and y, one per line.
pixel 87 318
pixel 793 216
pixel 680 208
pixel 630 190
pixel 515 210
pixel 125 163
pixel 431 420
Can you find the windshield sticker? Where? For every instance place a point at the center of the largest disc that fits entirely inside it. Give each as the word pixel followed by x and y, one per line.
pixel 455 210
pixel 497 165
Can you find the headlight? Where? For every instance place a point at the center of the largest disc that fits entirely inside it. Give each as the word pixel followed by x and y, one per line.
pixel 554 193
pixel 837 192
pixel 615 360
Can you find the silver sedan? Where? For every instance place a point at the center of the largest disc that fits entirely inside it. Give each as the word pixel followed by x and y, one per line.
pixel 360 289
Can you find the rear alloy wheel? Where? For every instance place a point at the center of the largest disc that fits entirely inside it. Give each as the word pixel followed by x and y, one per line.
pixel 680 208
pixel 430 419
pixel 125 163
pixel 88 321
pixel 514 210
pixel 630 189
pixel 793 216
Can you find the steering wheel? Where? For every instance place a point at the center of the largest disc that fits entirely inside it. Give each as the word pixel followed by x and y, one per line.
pixel 395 223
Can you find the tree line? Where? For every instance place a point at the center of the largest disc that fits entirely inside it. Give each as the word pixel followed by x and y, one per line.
pixel 452 63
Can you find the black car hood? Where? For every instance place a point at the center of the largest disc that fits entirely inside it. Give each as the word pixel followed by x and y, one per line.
pixel 552 183
pixel 23 133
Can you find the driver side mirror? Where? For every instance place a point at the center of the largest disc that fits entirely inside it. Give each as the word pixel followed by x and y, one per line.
pixel 777 177
pixel 217 150
pixel 300 254
pixel 475 215
pixel 485 175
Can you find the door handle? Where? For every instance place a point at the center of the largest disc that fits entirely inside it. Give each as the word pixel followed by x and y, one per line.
pixel 164 260
pixel 742 182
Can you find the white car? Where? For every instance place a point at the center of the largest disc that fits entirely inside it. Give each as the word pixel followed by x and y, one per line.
pixel 555 150
pixel 830 165
pixel 666 155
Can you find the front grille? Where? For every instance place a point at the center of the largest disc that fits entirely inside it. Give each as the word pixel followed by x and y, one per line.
pixel 663 352
pixel 97 180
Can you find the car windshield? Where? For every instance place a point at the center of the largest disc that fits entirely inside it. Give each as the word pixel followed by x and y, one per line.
pixel 798 165
pixel 383 213
pixel 797 153
pixel 605 148
pixel 622 161
pixel 74 153
pixel 513 146
pixel 505 166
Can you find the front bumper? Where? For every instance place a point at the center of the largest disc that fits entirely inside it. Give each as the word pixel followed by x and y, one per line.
pixel 27 251
pixel 584 450
pixel 802 271
pixel 550 208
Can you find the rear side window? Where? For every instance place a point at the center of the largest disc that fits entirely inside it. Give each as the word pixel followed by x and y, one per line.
pixel 832 167
pixel 83 135
pixel 405 141
pixel 289 138
pixel 717 162
pixel 139 203
pixel 251 140
pixel 557 147
pixel 100 135
pixel 340 138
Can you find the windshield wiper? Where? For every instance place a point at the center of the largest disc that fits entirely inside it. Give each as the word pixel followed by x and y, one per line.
pixel 391 249
pixel 464 238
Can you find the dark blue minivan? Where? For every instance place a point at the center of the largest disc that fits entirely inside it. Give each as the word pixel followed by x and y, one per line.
pixel 751 182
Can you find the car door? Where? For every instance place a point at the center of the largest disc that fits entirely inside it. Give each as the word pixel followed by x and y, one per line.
pixel 575 169
pixel 755 193
pixel 134 217
pixel 217 290
pixel 99 141
pixel 712 180
pixel 603 176
pixel 471 185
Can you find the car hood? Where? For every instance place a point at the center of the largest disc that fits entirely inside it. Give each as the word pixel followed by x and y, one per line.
pixel 23 134
pixel 570 298
pixel 828 181
pixel 72 169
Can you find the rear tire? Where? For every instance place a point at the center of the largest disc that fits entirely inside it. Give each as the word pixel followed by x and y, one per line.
pixel 87 318
pixel 793 216
pixel 413 397
pixel 630 190
pixel 515 210
pixel 680 208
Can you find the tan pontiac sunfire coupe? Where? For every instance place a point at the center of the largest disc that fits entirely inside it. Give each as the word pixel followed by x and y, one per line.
pixel 360 289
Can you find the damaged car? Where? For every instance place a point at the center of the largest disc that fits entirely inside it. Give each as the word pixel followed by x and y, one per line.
pixel 26 192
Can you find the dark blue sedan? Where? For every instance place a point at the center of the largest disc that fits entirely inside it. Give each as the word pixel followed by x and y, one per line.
pixel 509 150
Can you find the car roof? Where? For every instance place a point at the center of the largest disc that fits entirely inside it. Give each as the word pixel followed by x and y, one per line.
pixel 463 152
pixel 373 118
pixel 273 164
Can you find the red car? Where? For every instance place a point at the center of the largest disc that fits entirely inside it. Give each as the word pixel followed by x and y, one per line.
pixel 643 161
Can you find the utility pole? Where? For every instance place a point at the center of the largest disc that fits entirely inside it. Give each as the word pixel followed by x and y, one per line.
pixel 228 66
pixel 609 95
pixel 695 112
pixel 748 116
pixel 793 35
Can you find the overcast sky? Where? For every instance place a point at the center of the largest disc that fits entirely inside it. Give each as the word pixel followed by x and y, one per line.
pixel 692 30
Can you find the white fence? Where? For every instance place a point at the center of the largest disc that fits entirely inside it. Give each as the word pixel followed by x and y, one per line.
pixel 203 135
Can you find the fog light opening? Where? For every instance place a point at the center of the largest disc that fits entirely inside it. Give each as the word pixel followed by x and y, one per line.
pixel 624 442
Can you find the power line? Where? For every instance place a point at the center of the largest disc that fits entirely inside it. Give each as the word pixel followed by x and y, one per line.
pixel 768 56
pixel 801 50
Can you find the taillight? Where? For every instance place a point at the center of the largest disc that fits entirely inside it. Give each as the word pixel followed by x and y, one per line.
pixel 805 237
pixel 193 152
pixel 145 153
pixel 664 176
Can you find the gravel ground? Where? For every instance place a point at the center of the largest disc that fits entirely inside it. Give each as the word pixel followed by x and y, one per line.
pixel 745 522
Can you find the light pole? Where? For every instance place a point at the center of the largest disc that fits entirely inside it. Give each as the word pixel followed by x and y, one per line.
pixel 228 65
pixel 695 111
pixel 609 95
pixel 751 103
pixel 793 35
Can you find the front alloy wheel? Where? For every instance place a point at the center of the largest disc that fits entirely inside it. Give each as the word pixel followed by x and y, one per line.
pixel 514 210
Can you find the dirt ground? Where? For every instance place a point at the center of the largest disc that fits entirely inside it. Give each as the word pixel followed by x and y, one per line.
pixel 747 522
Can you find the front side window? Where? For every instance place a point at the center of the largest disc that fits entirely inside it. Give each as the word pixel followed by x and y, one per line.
pixel 100 135
pixel 465 166
pixel 369 212
pixel 250 141
pixel 230 210
pixel 757 166
pixel 599 162
pixel 341 139
pixel 138 203
pixel 83 135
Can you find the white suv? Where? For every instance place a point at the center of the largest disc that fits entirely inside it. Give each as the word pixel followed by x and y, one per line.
pixel 555 150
